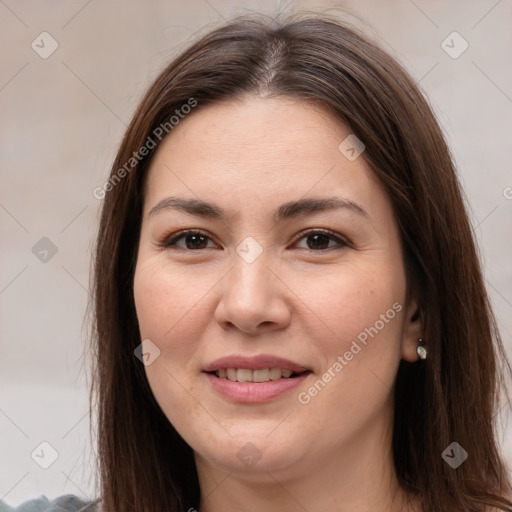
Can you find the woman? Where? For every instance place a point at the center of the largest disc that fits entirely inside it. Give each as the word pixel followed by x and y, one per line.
pixel 290 312
pixel 303 216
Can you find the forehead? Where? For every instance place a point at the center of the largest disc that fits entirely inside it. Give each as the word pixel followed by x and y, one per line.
pixel 257 149
pixel 252 127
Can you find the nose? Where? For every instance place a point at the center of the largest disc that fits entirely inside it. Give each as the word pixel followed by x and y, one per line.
pixel 254 299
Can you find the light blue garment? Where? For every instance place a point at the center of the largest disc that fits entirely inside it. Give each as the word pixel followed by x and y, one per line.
pixel 65 503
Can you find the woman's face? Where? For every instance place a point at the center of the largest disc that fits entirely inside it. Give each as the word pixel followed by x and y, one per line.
pixel 275 281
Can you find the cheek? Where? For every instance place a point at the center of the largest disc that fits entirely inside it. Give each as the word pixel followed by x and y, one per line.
pixel 173 310
pixel 171 315
pixel 363 302
pixel 168 305
pixel 364 311
pixel 363 314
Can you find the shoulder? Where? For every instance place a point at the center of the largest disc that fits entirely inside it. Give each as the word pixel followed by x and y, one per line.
pixel 65 503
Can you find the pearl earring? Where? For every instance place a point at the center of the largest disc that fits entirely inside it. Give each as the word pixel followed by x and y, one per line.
pixel 421 350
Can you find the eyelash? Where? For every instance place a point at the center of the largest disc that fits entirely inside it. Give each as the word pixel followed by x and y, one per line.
pixel 170 241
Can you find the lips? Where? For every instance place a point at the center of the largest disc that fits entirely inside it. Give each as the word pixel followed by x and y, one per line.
pixel 259 362
pixel 254 379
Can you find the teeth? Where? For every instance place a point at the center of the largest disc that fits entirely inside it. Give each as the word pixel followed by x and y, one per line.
pixel 275 373
pixel 247 375
pixel 261 375
pixel 243 375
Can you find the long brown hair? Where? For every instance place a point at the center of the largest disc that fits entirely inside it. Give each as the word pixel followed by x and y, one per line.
pixel 143 463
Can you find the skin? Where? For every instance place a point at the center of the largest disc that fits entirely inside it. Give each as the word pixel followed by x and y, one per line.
pixel 295 301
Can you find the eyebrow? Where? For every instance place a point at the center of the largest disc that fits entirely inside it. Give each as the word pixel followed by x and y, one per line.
pixel 286 211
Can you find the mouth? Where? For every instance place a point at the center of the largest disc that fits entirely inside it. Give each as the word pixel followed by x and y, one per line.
pixel 254 379
pixel 260 375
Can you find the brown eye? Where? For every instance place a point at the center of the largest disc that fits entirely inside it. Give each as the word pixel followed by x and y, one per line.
pixel 316 240
pixel 320 240
pixel 193 240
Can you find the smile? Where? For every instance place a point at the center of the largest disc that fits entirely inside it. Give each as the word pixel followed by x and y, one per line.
pixel 254 391
pixel 248 375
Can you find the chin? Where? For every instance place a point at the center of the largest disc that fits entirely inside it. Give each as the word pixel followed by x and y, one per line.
pixel 255 455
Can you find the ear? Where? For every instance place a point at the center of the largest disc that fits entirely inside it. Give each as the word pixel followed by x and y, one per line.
pixel 413 330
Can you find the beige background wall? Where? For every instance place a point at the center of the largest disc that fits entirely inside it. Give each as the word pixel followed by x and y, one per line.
pixel 62 118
